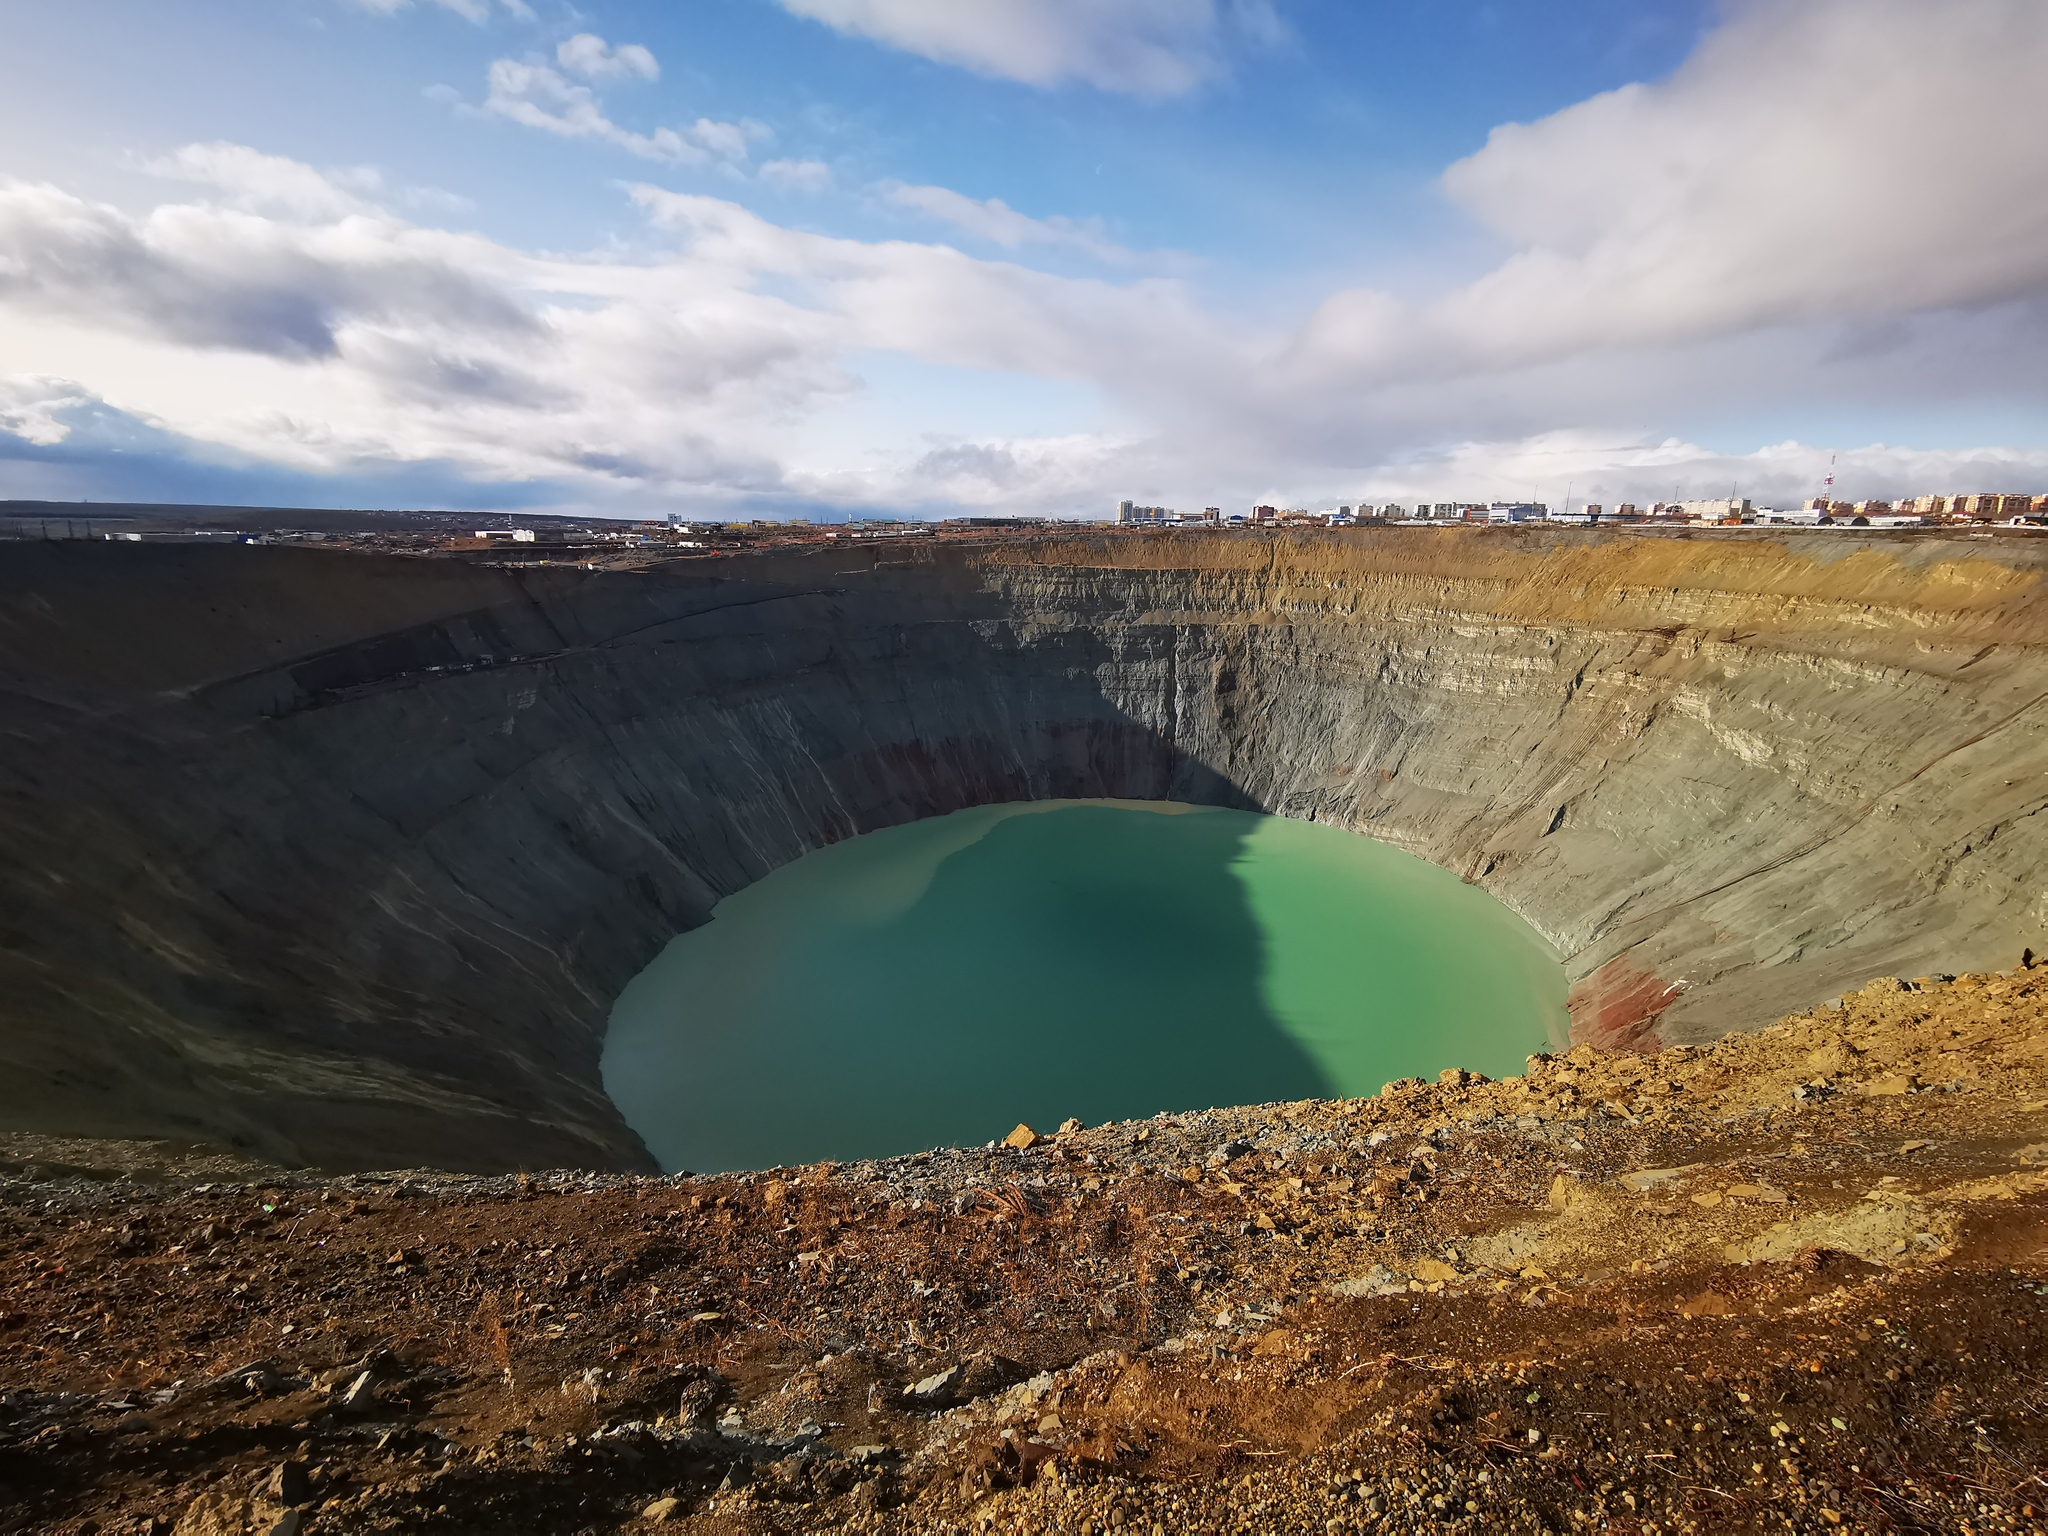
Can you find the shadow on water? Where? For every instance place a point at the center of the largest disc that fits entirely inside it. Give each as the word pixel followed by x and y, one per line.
pixel 508 790
pixel 1077 960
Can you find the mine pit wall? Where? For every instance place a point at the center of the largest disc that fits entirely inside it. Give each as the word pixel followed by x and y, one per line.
pixel 345 856
pixel 1724 775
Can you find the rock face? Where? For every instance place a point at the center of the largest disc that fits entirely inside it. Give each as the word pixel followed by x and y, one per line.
pixel 344 856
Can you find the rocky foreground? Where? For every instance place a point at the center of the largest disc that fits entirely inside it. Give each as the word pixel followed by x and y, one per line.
pixel 1797 1280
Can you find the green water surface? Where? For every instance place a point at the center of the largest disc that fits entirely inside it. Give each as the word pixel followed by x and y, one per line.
pixel 936 983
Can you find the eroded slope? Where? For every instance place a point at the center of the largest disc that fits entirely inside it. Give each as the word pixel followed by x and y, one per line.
pixel 343 857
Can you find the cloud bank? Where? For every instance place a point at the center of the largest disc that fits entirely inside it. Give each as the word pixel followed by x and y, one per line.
pixel 542 96
pixel 996 222
pixel 1813 160
pixel 1146 48
pixel 325 334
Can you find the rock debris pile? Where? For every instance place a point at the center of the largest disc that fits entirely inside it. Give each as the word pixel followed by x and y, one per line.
pixel 1798 1279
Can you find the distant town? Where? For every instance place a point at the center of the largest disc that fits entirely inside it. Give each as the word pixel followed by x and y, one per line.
pixel 598 543
pixel 1919 512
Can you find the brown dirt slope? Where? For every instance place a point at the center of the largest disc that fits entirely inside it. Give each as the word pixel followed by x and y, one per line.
pixel 1797 1280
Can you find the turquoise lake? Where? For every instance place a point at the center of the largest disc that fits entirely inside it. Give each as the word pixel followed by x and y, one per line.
pixel 936 983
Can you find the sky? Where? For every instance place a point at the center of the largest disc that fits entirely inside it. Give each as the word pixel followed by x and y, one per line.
pixel 824 258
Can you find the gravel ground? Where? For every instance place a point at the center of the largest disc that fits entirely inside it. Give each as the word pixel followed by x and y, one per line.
pixel 1798 1280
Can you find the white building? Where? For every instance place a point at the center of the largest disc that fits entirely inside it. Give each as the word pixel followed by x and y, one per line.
pixel 1714 510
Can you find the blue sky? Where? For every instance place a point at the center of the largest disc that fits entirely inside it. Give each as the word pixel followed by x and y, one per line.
pixel 808 257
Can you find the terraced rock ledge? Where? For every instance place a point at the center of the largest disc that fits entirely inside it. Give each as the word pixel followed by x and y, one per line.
pixel 1794 1280
pixel 341 858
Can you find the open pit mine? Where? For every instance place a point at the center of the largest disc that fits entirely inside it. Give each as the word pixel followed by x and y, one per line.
pixel 320 873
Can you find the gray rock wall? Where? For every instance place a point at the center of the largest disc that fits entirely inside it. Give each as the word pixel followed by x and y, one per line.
pixel 345 856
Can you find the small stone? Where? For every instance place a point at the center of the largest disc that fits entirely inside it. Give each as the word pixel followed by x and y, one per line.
pixel 1023 1138
pixel 981 1374
pixel 660 1510
pixel 214 1514
pixel 1069 1125
pixel 288 1484
pixel 1706 1304
pixel 359 1395
pixel 935 1389
pixel 1646 1179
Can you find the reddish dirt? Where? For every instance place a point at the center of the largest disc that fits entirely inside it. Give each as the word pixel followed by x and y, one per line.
pixel 1617 1008
pixel 1795 1281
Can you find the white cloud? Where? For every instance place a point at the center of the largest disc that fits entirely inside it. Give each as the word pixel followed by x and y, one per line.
pixel 1608 468
pixel 996 222
pixel 588 55
pixel 478 11
pixel 934 303
pixel 1152 48
pixel 322 335
pixel 1261 23
pixel 258 181
pixel 274 184
pixel 318 333
pixel 1042 475
pixel 213 276
pixel 538 96
pixel 1813 159
pixel 30 407
pixel 797 175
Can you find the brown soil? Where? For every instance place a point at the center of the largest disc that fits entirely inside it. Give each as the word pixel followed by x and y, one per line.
pixel 1795 1281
